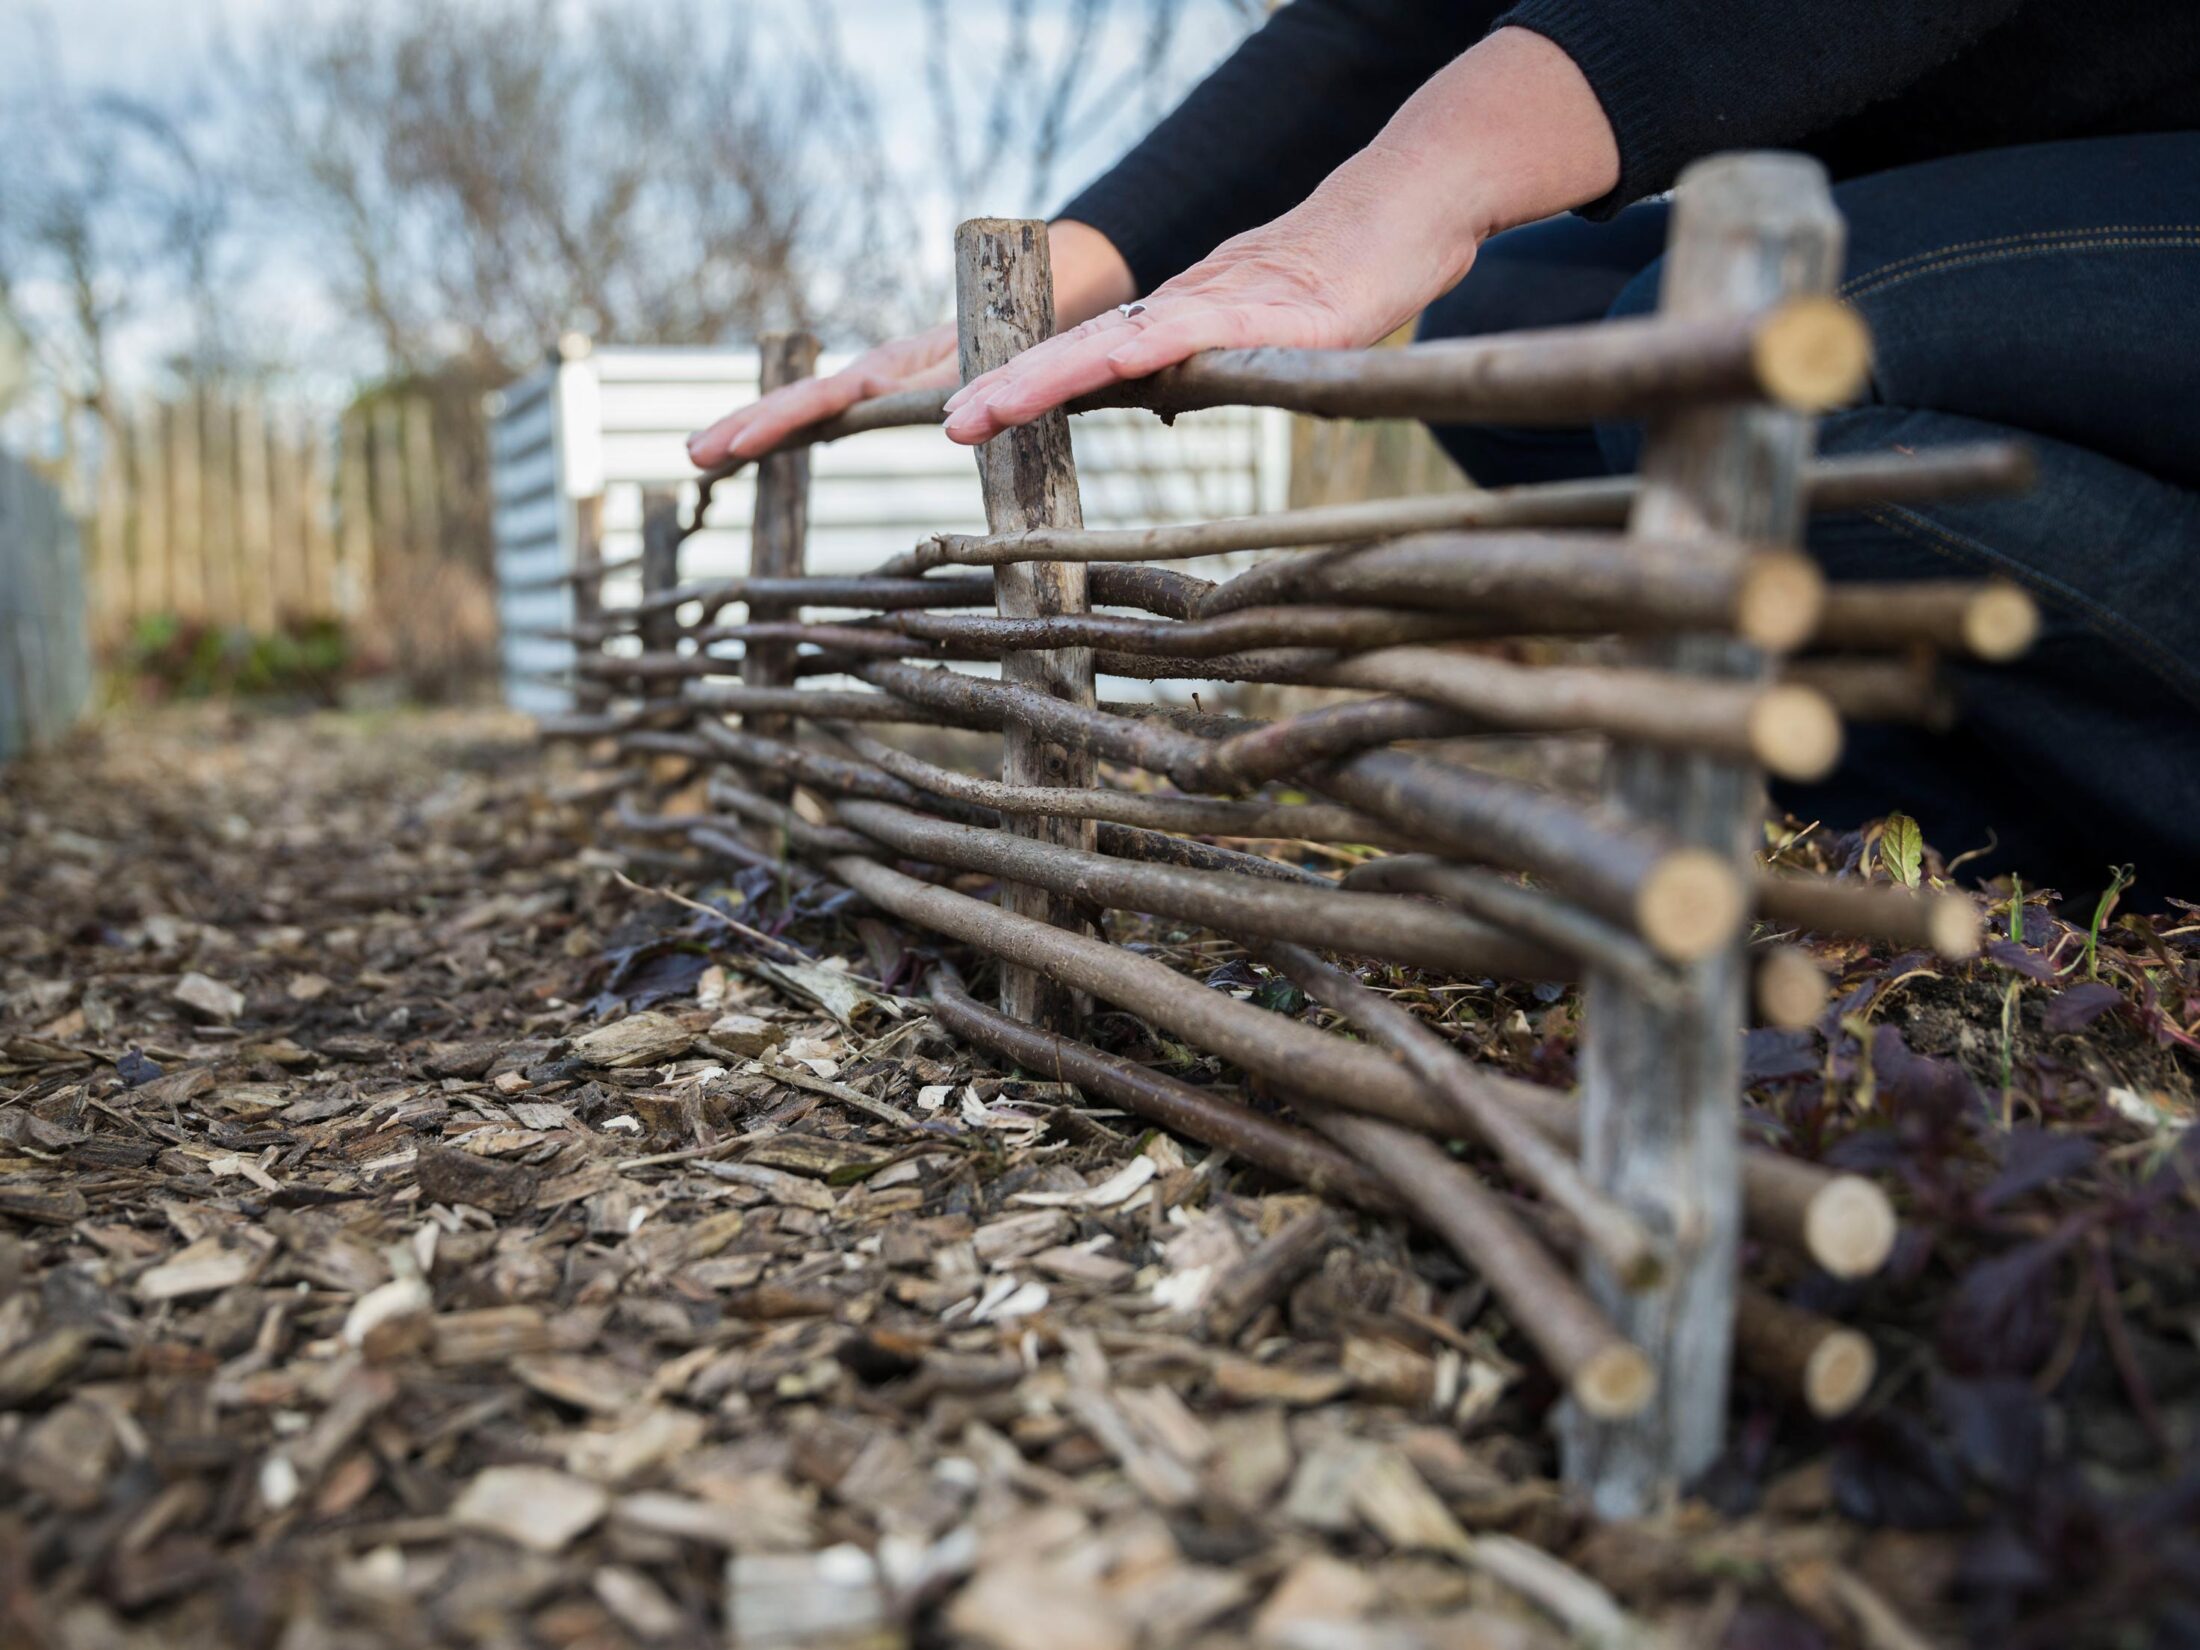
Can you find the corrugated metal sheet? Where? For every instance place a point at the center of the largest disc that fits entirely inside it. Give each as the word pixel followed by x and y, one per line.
pixel 616 420
pixel 45 652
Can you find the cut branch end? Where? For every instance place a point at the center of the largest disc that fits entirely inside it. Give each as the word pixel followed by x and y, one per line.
pixel 1791 989
pixel 1615 1382
pixel 1838 1374
pixel 1779 600
pixel 2001 623
pixel 1812 354
pixel 1795 732
pixel 1689 905
pixel 1850 1227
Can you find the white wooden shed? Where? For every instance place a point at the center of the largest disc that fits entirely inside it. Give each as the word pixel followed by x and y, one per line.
pixel 610 422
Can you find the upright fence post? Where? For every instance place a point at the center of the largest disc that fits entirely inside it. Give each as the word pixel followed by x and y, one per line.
pixel 316 518
pixel 187 532
pixel 1661 1081
pixel 585 593
pixel 777 535
pixel 108 595
pixel 262 605
pixel 1004 304
pixel 152 589
pixel 660 631
pixel 218 510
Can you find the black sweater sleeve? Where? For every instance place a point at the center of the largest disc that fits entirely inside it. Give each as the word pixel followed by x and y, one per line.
pixel 1684 78
pixel 1292 103
pixel 1677 79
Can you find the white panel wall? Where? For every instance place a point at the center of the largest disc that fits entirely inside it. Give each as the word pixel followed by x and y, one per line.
pixel 618 419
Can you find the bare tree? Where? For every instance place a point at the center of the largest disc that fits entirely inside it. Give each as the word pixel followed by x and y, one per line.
pixel 478 176
pixel 1012 94
pixel 108 218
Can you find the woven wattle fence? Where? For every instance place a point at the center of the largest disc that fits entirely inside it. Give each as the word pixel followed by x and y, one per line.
pixel 1722 657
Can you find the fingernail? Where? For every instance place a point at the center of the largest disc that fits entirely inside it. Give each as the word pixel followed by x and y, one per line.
pixel 970 421
pixel 960 396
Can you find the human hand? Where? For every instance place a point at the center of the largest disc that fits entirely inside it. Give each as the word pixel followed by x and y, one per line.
pixel 926 361
pixel 1348 266
pixel 1510 131
pixel 1089 275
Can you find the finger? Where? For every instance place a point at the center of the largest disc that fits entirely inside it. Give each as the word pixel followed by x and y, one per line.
pixel 1180 337
pixel 1113 323
pixel 1044 378
pixel 768 420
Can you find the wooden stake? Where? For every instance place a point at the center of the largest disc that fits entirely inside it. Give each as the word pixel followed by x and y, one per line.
pixel 1405 930
pixel 1828 1365
pixel 1946 923
pixel 1621 1239
pixel 1832 484
pixel 1809 354
pixel 187 522
pixel 355 579
pixel 151 589
pixel 585 596
pixel 1607 1377
pixel 1789 987
pixel 1905 690
pixel 1661 1082
pixel 1004 301
pixel 107 577
pixel 262 602
pixel 778 533
pixel 225 590
pixel 1990 619
pixel 317 521
pixel 660 564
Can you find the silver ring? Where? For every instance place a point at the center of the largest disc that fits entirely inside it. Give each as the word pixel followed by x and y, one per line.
pixel 1130 309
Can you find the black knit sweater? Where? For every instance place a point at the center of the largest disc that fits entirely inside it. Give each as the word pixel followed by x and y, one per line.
pixel 1862 84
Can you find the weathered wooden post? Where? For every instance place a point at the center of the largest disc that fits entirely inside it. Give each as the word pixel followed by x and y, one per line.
pixel 1661 1082
pixel 1004 304
pixel 660 629
pixel 777 534
pixel 585 592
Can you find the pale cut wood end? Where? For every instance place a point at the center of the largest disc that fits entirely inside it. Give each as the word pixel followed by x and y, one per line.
pixel 1838 1373
pixel 1791 989
pixel 1954 924
pixel 1781 596
pixel 1850 1227
pixel 2001 623
pixel 1812 354
pixel 1690 904
pixel 1795 731
pixel 1615 1382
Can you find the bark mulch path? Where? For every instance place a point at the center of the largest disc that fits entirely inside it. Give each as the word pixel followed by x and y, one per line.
pixel 414 1232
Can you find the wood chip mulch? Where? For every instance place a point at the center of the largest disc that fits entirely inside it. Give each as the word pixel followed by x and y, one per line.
pixel 414 1232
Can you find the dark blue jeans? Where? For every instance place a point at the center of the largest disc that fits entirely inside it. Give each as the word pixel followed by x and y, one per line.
pixel 2050 293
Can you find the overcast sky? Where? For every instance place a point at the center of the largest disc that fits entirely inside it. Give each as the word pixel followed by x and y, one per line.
pixel 159 49
pixel 163 51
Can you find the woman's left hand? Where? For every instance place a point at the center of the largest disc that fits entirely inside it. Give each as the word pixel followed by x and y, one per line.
pixel 1508 132
pixel 1347 267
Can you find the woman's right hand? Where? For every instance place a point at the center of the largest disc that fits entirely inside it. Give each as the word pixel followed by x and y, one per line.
pixel 924 362
pixel 1089 276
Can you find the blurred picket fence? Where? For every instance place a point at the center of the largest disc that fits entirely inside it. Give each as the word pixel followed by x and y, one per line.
pixel 45 656
pixel 232 512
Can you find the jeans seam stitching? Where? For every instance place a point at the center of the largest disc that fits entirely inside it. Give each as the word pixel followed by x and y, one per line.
pixel 2159 661
pixel 1869 285
pixel 2026 237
